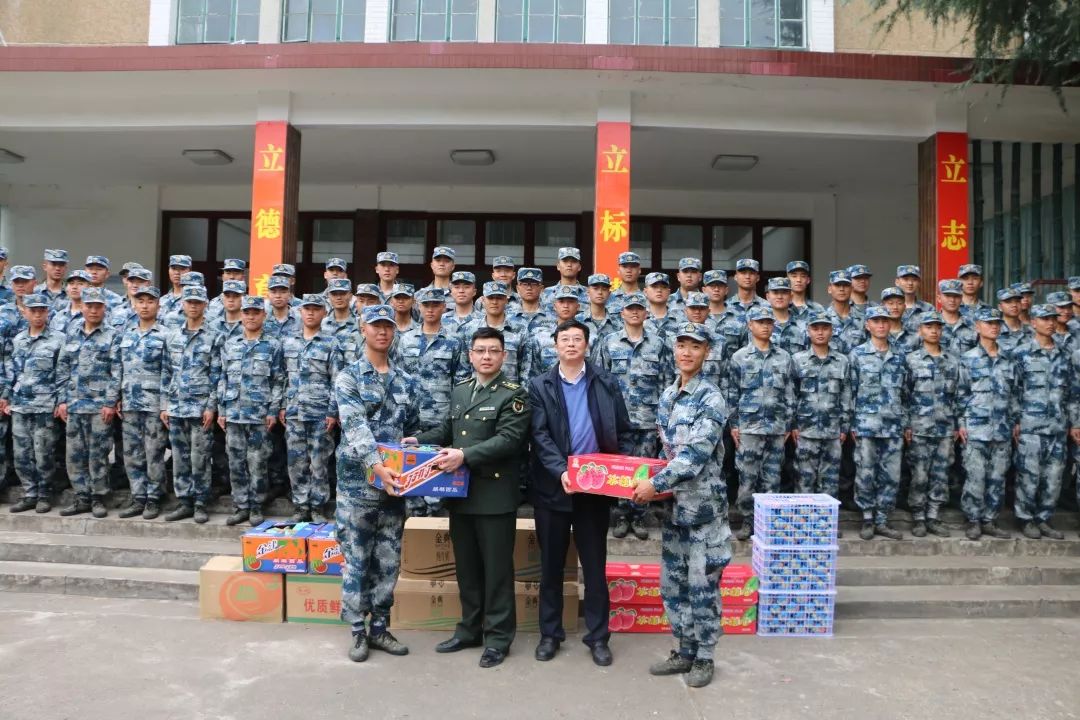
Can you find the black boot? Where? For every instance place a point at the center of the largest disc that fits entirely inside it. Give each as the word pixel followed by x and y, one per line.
pixel 201 515
pixel 255 516
pixel 27 503
pixel 239 515
pixel 182 512
pixel 152 510
pixel 135 508
pixel 76 508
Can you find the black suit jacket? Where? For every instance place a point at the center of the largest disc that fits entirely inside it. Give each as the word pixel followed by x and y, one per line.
pixel 551 430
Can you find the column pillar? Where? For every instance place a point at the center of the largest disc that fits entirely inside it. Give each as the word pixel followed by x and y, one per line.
pixel 944 222
pixel 611 211
pixel 275 191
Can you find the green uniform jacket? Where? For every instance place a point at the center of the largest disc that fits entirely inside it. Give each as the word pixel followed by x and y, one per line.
pixel 492 430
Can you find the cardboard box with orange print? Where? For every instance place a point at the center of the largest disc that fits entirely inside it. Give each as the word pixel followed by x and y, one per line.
pixel 226 592
pixel 277 547
pixel 419 476
pixel 612 475
pixel 436 605
pixel 323 552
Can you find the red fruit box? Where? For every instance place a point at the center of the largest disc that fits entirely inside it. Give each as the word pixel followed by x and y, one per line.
pixel 739 619
pixel 638 619
pixel 738 586
pixel 612 475
pixel 631 584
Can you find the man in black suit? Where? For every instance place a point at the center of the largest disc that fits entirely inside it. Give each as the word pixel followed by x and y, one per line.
pixel 577 408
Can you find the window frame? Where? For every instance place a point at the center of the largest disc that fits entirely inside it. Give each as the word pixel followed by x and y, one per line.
pixel 340 19
pixel 448 26
pixel 666 19
pixel 525 19
pixel 777 23
pixel 234 14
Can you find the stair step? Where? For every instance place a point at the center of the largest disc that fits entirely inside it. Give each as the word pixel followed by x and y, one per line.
pixel 957 601
pixel 215 530
pixel 98 581
pixel 112 550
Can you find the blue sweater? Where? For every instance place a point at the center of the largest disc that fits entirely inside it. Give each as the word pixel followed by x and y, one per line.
pixel 582 434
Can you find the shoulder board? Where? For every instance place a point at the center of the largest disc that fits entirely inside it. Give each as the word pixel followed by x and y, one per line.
pixel 465 381
pixel 510 385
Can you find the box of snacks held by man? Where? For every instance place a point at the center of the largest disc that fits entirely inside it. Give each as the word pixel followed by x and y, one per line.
pixel 611 475
pixel 419 475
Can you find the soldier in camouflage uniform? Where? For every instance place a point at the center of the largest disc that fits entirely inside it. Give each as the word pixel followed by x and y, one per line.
pixel 788 334
pixel 822 409
pixel 376 403
pixel 516 338
pixel 98 267
pixel 171 312
pixel 310 411
pixel 723 322
pixel 849 328
pixel 125 316
pixel 231 269
pixel 31 388
pixel 1074 412
pixel 69 316
pixel 529 313
pixel 190 397
pixel 541 354
pixel 802 307
pixel 142 361
pixel 90 362
pixel 747 274
pixel 860 285
pixel 696 309
pixel 340 319
pixel 569 267
pixel 696 544
pixel 988 412
pixel 958 329
pixel 1063 305
pixel 689 279
pixel 902 335
pixel 462 293
pixel 55 266
pixel 252 390
pixel 662 320
pixel 909 279
pixel 761 395
pixel 930 401
pixel 595 315
pixel 282 318
pixel 443 261
pixel 1042 379
pixel 643 364
pixel 629 281
pixel 878 376
pixel 227 321
pixel 971 282
pixel 1014 332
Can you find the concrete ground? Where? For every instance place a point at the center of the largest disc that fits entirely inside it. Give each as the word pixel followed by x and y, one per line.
pixel 88 658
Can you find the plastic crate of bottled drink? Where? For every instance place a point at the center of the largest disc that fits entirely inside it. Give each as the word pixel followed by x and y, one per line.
pixel 796 614
pixel 796 519
pixel 795 567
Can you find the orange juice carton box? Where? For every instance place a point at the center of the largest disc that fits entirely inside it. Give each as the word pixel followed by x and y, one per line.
pixel 419 476
pixel 612 475
pixel 738 619
pixel 277 547
pixel 631 584
pixel 738 586
pixel 323 552
pixel 638 619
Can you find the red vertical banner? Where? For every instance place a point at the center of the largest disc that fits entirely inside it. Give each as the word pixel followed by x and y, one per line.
pixel 611 234
pixel 951 183
pixel 275 186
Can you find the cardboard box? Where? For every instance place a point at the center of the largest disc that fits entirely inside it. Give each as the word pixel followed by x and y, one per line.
pixel 631 584
pixel 739 619
pixel 428 554
pixel 313 599
pixel 638 619
pixel 419 476
pixel 612 475
pixel 323 552
pixel 739 586
pixel 436 605
pixel 226 592
pixel 277 547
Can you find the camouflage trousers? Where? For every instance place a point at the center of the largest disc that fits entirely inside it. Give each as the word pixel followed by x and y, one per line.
pixel 1040 464
pixel 758 459
pixel 647 445
pixel 877 476
pixel 5 458
pixel 692 560
pixel 248 446
pixel 89 442
pixel 930 459
pixel 817 466
pixel 34 436
pixel 144 455
pixel 370 537
pixel 191 451
pixel 986 464
pixel 310 446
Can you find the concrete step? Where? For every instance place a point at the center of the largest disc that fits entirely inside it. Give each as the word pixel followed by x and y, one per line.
pixel 98 581
pixel 113 550
pixel 871 571
pixel 216 530
pixel 958 601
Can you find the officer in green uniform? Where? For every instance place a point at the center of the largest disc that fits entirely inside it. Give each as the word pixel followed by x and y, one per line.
pixel 485 431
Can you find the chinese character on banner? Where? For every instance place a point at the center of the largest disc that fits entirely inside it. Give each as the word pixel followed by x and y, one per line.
pixel 611 229
pixel 614 226
pixel 268 224
pixel 272 158
pixel 952 236
pixel 275 183
pixel 954 169
pixel 616 160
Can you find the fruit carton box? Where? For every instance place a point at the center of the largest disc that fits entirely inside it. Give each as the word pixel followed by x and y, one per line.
pixel 277 547
pixel 739 586
pixel 419 476
pixel 739 619
pixel 612 475
pixel 324 553
pixel 632 584
pixel 735 620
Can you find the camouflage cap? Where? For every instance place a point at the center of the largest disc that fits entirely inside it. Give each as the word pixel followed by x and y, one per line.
pixel 931 317
pixel 697 299
pixel 140 273
pixel 988 314
pixel 599 279
pixel 657 278
pixel 463 276
pixel 183 261
pixel 234 264
pixel 635 298
pixel 278 281
pixel 969 269
pixel 235 287
pixel 689 263
pixel 387 257
pixel 336 263
pixel 128 267
pixel 377 313
pixel 315 299
pixel 196 293
pixel 35 300
pixel 502 261
pixel 338 285
pixel 79 274
pixel 796 265
pixel 401 290
pixel 3 253
pixel 839 277
pixel 693 331
pixel 950 287
pixel 747 264
pixel 817 317
pixel 859 271
pixel 56 256
pixel 566 292
pixel 150 290
pixel 192 277
pixel 1008 293
pixel 93 295
pixel 496 287
pixel 1074 282
pixel 23 272
pixel 1059 299
pixel 759 312
pixel 714 277
pixel 253 302
pixel 778 284
pixel 906 270
pixel 876 312
pixel 571 253
pixel 430 294
pixel 1038 311
pixel 369 289
pixel 629 258
pixel 530 274
pixel 1024 288
pixel 443 251
pixel 892 292
pixel 284 269
pixel 98 260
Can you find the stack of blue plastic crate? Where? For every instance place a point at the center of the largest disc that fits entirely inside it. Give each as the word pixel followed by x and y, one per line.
pixel 794 559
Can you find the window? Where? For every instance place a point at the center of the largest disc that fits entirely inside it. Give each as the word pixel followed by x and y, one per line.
pixel 652 22
pixel 434 20
pixel 504 237
pixel 763 23
pixel 331 238
pixel 677 242
pixel 324 21
pixel 217 21
pixel 729 243
pixel 460 235
pixel 233 238
pixel 540 21
pixel 189 236
pixel 780 245
pixel 551 235
pixel 407 237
